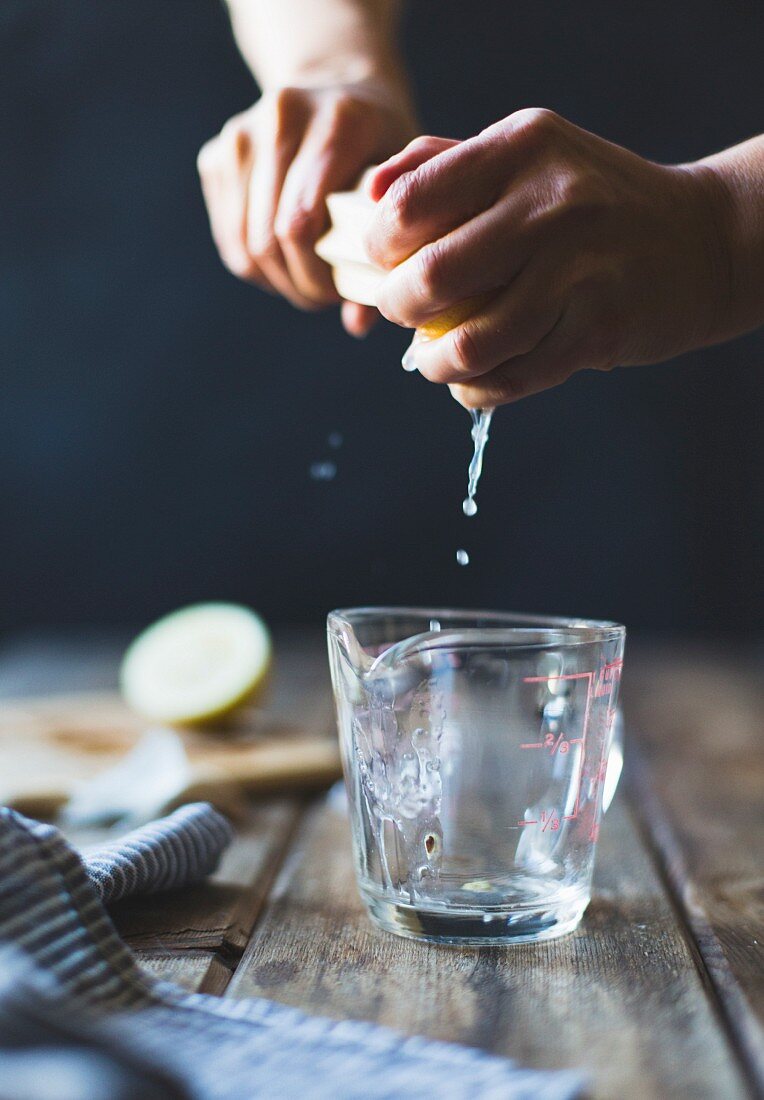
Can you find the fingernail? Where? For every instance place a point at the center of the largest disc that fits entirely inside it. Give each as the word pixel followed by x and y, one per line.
pixel 408 362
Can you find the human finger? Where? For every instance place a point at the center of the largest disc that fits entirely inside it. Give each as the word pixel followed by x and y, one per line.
pixel 455 185
pixel 224 164
pixel 510 324
pixel 418 151
pixel 426 203
pixel 279 139
pixel 558 356
pixel 482 255
pixel 339 142
pixel 358 320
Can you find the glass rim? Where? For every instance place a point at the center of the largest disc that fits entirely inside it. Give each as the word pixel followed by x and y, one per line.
pixel 506 622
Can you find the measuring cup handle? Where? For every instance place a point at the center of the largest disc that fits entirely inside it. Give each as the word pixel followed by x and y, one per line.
pixel 614 762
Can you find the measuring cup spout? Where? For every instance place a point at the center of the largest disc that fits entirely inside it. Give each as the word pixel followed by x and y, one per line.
pixel 363 651
pixel 345 649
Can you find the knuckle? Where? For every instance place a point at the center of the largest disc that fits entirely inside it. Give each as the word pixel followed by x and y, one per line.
pixel 298 226
pixel 421 143
pixel 579 193
pixel 431 271
pixel 465 352
pixel 402 201
pixel 534 126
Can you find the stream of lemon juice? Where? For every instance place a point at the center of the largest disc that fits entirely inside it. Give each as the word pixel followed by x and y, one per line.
pixel 481 418
pixel 481 423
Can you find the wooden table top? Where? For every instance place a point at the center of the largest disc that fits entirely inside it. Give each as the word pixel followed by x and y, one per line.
pixel 659 993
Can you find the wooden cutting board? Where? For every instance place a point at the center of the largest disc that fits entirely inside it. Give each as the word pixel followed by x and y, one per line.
pixel 49 745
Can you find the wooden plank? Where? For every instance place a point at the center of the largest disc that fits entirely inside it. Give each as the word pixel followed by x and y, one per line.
pixel 697 713
pixel 218 914
pixel 197 971
pixel 621 997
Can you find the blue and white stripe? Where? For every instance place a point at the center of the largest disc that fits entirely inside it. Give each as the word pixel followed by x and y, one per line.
pixel 73 998
pixel 182 848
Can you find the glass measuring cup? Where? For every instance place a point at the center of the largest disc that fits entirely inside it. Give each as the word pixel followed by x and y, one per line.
pixel 480 750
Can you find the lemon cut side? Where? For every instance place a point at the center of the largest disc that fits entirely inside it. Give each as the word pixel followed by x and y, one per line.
pixel 197 664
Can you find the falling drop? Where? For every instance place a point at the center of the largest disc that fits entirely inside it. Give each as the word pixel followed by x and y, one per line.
pixel 469 506
pixel 323 471
pixel 462 557
pixel 335 440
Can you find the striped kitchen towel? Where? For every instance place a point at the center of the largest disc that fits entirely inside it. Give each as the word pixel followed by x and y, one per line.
pixel 184 847
pixel 78 1017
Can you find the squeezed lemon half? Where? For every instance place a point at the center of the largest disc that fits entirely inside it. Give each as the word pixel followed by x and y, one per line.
pixel 197 664
pixel 452 317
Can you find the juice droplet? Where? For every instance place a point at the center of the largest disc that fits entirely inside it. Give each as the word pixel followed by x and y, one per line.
pixel 323 471
pixel 335 440
pixel 469 506
pixel 462 557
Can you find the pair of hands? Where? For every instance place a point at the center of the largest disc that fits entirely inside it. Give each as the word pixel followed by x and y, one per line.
pixel 580 253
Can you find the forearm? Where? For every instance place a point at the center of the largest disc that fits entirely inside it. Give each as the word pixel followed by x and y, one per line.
pixel 309 42
pixel 737 178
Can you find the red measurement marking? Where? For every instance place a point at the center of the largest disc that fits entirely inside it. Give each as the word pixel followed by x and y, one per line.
pixel 553 745
pixel 589 691
pixel 549 820
pixel 608 676
pixel 549 743
pixel 527 823
pixel 546 679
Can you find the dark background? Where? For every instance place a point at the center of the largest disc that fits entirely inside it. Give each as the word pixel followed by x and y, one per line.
pixel 158 419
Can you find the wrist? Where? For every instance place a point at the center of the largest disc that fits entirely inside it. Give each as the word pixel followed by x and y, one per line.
pixel 363 70
pixel 734 223
pixel 378 78
pixel 712 225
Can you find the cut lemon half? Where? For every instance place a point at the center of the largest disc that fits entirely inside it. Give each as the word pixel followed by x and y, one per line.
pixel 197 664
pixel 444 322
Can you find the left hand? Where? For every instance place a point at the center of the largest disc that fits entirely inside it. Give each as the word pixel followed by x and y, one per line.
pixel 266 175
pixel 590 255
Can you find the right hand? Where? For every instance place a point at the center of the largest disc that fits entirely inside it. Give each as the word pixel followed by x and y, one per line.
pixel 266 175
